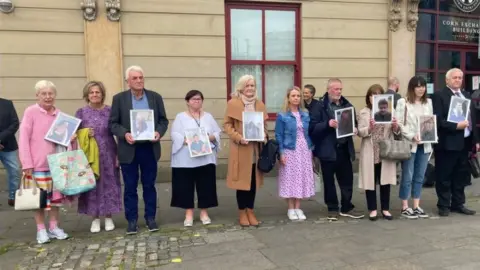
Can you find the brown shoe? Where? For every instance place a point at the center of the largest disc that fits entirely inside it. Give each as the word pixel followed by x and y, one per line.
pixel 243 219
pixel 251 218
pixel 11 202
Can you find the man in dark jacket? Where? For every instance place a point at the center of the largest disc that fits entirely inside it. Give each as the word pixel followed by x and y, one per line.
pixel 336 155
pixel 8 146
pixel 455 141
pixel 393 87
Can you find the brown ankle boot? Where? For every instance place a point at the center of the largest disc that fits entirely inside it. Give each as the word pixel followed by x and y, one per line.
pixel 243 219
pixel 251 218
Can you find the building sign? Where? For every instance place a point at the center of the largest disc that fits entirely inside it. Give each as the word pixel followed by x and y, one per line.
pixel 467 5
pixel 457 29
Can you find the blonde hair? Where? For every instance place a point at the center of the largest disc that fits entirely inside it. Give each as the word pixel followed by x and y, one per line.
pixel 286 102
pixel 242 82
pixel 132 68
pixel 44 84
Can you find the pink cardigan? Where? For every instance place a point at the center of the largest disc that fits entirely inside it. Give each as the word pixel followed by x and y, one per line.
pixel 33 148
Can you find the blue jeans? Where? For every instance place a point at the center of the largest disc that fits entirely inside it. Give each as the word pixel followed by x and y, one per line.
pixel 413 174
pixel 145 161
pixel 12 165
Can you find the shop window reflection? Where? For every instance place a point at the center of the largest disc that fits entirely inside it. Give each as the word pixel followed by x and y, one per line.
pixel 426 27
pixel 428 4
pixel 425 56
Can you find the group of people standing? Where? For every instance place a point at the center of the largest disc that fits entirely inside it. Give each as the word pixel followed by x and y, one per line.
pixel 305 132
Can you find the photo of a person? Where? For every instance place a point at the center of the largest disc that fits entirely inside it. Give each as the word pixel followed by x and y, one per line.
pixel 198 142
pixel 345 122
pixel 142 127
pixel 428 128
pixel 458 110
pixel 62 129
pixel 382 108
pixel 253 126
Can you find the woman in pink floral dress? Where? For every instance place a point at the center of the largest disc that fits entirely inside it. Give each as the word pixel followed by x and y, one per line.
pixel 295 180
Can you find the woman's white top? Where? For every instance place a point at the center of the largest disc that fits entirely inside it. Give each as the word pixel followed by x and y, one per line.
pixel 180 154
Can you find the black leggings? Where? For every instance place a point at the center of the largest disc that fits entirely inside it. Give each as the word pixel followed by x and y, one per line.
pixel 246 199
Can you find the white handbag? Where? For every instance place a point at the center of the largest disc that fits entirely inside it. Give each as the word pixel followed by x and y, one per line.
pixel 30 199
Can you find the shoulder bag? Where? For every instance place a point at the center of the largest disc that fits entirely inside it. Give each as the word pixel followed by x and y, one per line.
pixel 30 198
pixel 396 149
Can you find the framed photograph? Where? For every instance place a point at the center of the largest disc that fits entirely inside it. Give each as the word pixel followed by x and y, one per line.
pixel 142 125
pixel 382 108
pixel 198 142
pixel 62 129
pixel 458 110
pixel 253 126
pixel 346 123
pixel 427 126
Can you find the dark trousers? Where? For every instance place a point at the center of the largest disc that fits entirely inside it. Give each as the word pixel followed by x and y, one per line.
pixel 145 161
pixel 246 199
pixel 452 175
pixel 384 192
pixel 186 180
pixel 342 169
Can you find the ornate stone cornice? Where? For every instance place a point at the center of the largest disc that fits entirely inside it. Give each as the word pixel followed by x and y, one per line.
pixel 113 9
pixel 412 14
pixel 395 15
pixel 89 8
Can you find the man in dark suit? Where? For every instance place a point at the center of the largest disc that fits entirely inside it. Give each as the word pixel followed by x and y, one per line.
pixel 134 155
pixel 8 146
pixel 455 140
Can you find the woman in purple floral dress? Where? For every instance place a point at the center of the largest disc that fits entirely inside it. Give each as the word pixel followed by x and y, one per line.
pixel 105 199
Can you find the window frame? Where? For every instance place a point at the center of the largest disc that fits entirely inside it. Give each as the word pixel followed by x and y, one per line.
pixel 296 63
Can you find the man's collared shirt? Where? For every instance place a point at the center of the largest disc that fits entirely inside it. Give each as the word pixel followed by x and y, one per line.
pixel 140 103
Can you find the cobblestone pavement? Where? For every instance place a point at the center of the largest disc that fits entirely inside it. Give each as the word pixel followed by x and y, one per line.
pixel 433 243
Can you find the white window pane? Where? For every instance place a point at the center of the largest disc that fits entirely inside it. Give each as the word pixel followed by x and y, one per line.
pixel 254 70
pixel 246 34
pixel 277 80
pixel 280 35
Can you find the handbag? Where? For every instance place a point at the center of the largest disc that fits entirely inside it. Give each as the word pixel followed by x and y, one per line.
pixel 30 198
pixel 396 149
pixel 71 172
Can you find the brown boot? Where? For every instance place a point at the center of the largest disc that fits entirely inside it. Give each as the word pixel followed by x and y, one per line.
pixel 243 219
pixel 251 218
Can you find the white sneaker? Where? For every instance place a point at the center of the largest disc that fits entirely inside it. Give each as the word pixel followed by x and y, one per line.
pixel 95 228
pixel 57 233
pixel 292 215
pixel 109 225
pixel 300 214
pixel 42 237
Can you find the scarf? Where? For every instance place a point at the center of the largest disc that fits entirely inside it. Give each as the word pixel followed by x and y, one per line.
pixel 249 103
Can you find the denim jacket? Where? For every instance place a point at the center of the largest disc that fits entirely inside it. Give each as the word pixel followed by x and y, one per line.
pixel 286 130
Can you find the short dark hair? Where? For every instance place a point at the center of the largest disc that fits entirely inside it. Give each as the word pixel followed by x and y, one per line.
pixel 416 81
pixel 193 93
pixel 311 88
pixel 382 102
pixel 375 89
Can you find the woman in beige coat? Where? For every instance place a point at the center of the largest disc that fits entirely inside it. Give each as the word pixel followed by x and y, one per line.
pixel 374 170
pixel 243 174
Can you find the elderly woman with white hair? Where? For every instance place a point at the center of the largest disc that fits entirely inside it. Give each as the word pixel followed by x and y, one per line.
pixel 243 174
pixel 33 151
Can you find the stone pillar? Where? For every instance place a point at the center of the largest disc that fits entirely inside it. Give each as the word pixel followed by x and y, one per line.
pixel 103 51
pixel 402 38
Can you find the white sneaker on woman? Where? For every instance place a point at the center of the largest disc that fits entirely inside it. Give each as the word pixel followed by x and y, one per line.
pixel 95 228
pixel 42 237
pixel 57 233
pixel 300 214
pixel 109 225
pixel 292 215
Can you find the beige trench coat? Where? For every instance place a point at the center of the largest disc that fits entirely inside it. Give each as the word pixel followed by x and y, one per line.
pixel 366 179
pixel 240 158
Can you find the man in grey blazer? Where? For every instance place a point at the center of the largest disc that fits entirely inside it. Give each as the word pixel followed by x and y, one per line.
pixel 138 155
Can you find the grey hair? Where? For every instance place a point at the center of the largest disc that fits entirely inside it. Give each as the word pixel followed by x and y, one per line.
pixel 392 81
pixel 44 84
pixel 132 68
pixel 451 71
pixel 333 80
pixel 242 82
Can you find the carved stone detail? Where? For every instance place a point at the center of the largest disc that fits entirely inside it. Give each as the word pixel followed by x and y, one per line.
pixel 113 9
pixel 412 14
pixel 89 8
pixel 395 15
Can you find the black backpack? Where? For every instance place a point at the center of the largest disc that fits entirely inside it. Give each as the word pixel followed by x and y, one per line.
pixel 268 156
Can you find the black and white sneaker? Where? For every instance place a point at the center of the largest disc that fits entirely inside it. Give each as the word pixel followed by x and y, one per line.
pixel 332 216
pixel 420 213
pixel 408 213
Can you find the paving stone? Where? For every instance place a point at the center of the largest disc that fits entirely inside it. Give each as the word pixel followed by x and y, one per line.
pixel 119 252
pixel 153 257
pixel 93 247
pixel 141 249
pixel 115 262
pixel 85 264
pixel 141 254
pixel 104 250
pixel 130 248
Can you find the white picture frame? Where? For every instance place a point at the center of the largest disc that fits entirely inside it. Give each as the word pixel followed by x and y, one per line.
pixel 198 142
pixel 345 122
pixel 62 129
pixel 458 109
pixel 382 108
pixel 253 124
pixel 142 125
pixel 427 129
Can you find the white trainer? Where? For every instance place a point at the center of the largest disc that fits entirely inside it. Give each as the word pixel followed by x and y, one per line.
pixel 109 225
pixel 300 214
pixel 42 237
pixel 292 215
pixel 95 228
pixel 57 233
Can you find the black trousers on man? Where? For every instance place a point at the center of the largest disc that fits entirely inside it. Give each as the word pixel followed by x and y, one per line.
pixel 452 175
pixel 342 169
